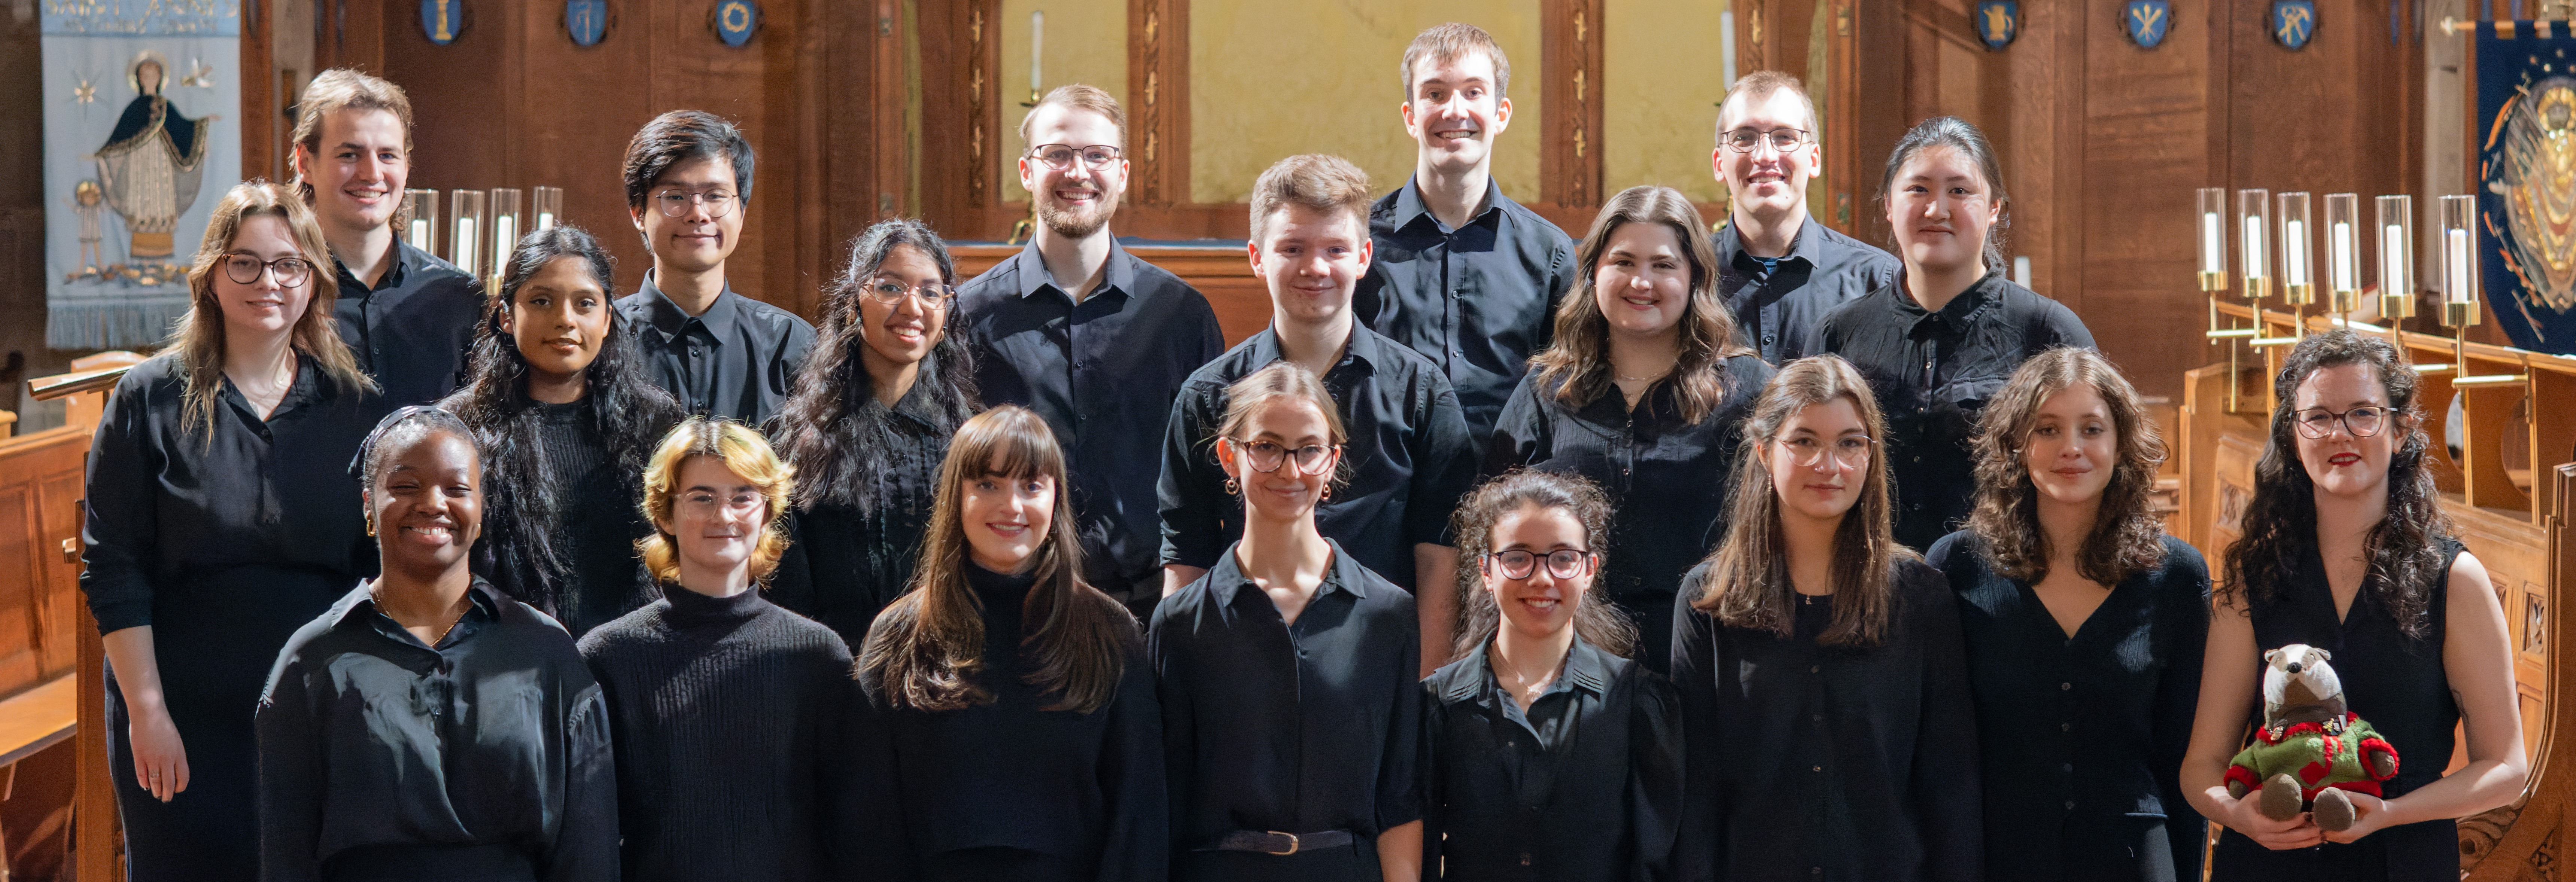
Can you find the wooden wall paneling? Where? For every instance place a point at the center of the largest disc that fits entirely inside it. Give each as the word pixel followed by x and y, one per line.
pixel 591 101
pixel 1878 89
pixel 1158 106
pixel 960 115
pixel 461 112
pixel 351 33
pixel 797 85
pixel 259 100
pixel 1570 146
pixel 58 507
pixel 864 135
pixel 2146 126
pixel 21 539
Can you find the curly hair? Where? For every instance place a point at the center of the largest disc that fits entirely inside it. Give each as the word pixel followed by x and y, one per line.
pixel 2127 536
pixel 1577 364
pixel 2405 548
pixel 1597 621
pixel 833 428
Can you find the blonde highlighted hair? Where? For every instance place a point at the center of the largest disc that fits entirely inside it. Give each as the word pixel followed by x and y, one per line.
pixel 1315 181
pixel 198 343
pixel 341 89
pixel 740 449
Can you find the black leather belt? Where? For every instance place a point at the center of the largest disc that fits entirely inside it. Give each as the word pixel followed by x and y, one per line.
pixel 1275 842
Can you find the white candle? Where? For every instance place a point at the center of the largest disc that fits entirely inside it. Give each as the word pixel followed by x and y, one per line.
pixel 2342 245
pixel 505 237
pixel 2392 259
pixel 464 242
pixel 545 220
pixel 419 233
pixel 2213 250
pixel 1037 46
pixel 2255 266
pixel 2294 253
pixel 2457 266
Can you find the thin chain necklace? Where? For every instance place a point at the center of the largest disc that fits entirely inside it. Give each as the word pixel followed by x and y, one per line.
pixel 373 594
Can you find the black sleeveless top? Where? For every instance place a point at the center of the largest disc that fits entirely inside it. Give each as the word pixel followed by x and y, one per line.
pixel 2394 681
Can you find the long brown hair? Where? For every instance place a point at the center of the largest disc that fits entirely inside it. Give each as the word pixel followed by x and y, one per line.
pixel 1748 576
pixel 924 650
pixel 2127 536
pixel 198 344
pixel 1596 620
pixel 1577 364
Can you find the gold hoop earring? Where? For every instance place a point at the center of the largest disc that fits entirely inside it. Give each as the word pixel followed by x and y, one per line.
pixel 371 526
pixel 1233 487
pixel 1328 491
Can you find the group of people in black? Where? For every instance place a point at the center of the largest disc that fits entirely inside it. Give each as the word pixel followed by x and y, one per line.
pixel 1660 554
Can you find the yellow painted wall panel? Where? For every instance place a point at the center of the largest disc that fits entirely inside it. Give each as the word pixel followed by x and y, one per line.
pixel 1662 76
pixel 1084 41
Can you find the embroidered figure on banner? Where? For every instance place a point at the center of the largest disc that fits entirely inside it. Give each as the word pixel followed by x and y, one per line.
pixel 152 168
pixel 2530 200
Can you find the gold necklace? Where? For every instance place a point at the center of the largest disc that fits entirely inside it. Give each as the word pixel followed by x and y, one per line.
pixel 374 594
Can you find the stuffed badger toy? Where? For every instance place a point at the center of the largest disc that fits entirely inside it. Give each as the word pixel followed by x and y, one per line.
pixel 2309 750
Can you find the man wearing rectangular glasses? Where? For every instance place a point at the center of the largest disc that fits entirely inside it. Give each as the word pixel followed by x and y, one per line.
pixel 1779 273
pixel 688 175
pixel 1095 340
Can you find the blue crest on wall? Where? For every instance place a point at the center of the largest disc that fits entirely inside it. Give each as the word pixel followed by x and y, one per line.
pixel 442 20
pixel 2147 21
pixel 2294 22
pixel 1998 22
pixel 586 21
pixel 736 21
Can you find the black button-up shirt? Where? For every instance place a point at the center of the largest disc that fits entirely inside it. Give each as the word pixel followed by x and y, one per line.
pixel 1815 762
pixel 486 756
pixel 1478 300
pixel 1584 787
pixel 2083 736
pixel 1102 373
pixel 1669 480
pixel 1932 373
pixel 1303 728
pixel 1778 307
pixel 414 331
pixel 1409 457
pixel 736 361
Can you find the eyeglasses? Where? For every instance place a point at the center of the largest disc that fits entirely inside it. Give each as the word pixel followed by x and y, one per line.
pixel 1312 459
pixel 1850 452
pixel 703 502
pixel 934 295
pixel 1563 563
pixel 676 203
pixel 1783 140
pixel 1060 156
pixel 2360 422
pixel 290 271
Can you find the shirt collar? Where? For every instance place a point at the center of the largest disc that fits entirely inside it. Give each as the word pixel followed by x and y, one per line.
pixel 1119 275
pixel 1362 349
pixel 358 607
pixel 1586 668
pixel 667 317
pixel 1227 580
pixel 1961 310
pixel 1808 245
pixel 1410 208
pixel 405 258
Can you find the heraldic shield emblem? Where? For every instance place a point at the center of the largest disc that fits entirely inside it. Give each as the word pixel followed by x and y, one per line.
pixel 736 21
pixel 2294 22
pixel 2147 21
pixel 1998 22
pixel 586 21
pixel 442 20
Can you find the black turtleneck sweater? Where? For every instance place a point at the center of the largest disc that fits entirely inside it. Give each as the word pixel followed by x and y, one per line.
pixel 725 714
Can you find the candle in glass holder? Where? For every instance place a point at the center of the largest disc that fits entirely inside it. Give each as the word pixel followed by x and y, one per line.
pixel 2298 251
pixel 2254 219
pixel 2396 257
pixel 464 247
pixel 2343 247
pixel 548 202
pixel 421 206
pixel 2459 249
pixel 505 227
pixel 2213 238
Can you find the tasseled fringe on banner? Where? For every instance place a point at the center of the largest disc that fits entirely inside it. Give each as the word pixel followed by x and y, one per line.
pixel 120 323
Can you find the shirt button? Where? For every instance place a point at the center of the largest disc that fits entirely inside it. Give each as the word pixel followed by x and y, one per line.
pixel 2064 687
pixel 1815 768
pixel 1525 859
pixel 694 352
pixel 2068 768
pixel 1816 717
pixel 1815 871
pixel 2070 805
pixel 1814 668
pixel 2066 727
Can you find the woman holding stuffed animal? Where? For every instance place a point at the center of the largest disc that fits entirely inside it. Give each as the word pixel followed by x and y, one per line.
pixel 1826 715
pixel 2085 625
pixel 2347 551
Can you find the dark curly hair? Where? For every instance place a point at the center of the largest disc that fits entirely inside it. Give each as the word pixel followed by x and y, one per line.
pixel 2127 536
pixel 2281 520
pixel 523 503
pixel 833 429
pixel 1596 620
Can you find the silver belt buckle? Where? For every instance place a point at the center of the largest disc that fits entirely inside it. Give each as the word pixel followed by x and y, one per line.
pixel 1292 843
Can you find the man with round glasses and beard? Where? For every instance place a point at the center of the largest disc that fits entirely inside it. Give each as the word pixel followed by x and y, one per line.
pixel 1095 340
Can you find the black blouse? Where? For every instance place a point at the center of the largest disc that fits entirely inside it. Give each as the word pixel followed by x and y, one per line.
pixel 2395 682
pixel 592 531
pixel 486 757
pixel 2084 736
pixel 1303 728
pixel 1068 795
pixel 1668 481
pixel 1816 762
pixel 844 565
pixel 1585 787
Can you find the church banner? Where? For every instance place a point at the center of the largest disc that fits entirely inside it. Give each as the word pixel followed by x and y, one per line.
pixel 2527 182
pixel 141 140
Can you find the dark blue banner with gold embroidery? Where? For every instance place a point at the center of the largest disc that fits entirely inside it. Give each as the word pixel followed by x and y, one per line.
pixel 2527 180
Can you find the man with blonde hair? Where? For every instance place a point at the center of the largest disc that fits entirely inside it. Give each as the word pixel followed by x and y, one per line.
pixel 408 316
pixel 1093 339
pixel 1465 276
pixel 1310 245
pixel 1779 273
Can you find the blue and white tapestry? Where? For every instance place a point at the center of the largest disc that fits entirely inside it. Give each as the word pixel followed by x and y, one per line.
pixel 2527 183
pixel 141 140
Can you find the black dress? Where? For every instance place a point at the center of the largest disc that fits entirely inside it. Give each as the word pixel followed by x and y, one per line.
pixel 2084 736
pixel 2395 682
pixel 1815 762
pixel 485 757
pixel 1668 481
pixel 224 544
pixel 1584 787
pixel 1009 791
pixel 845 563
pixel 727 714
